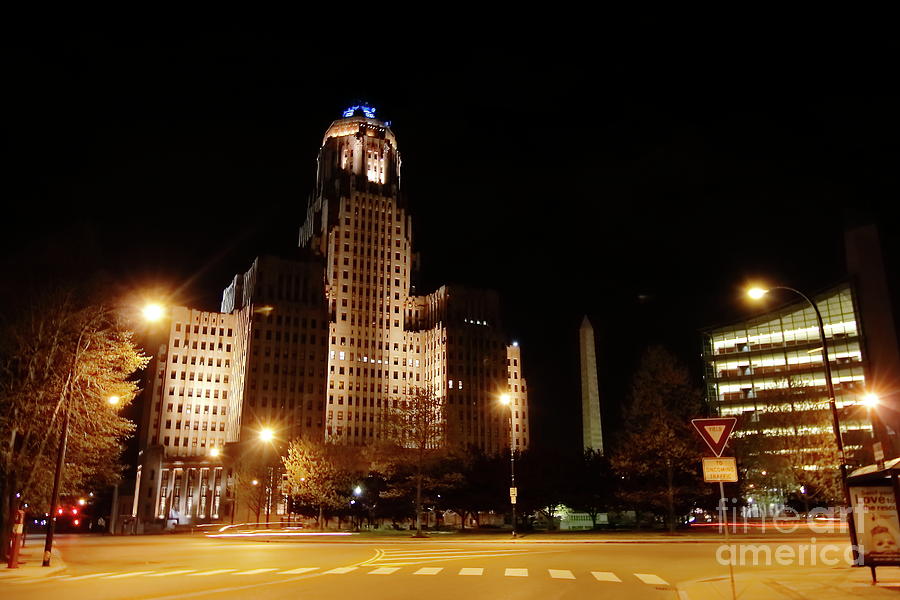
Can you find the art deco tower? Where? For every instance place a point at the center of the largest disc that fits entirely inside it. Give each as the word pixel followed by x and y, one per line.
pixel 383 341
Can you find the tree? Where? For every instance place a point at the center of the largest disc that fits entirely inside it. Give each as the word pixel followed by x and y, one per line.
pixel 417 424
pixel 787 447
pixel 659 444
pixel 594 492
pixel 250 480
pixel 321 474
pixel 62 355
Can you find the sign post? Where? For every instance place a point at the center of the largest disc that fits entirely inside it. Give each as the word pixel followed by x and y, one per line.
pixel 715 432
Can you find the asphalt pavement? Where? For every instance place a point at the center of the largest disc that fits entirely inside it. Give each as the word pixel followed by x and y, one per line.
pixel 183 566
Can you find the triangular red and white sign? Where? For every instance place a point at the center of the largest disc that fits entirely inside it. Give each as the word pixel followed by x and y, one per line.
pixel 715 432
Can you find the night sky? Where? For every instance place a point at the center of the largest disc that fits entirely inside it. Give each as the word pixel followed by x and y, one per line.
pixel 638 181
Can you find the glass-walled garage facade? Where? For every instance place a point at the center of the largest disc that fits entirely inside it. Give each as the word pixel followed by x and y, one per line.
pixel 761 364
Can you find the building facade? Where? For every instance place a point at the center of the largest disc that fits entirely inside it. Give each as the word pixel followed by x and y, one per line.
pixel 384 341
pixel 756 366
pixel 323 345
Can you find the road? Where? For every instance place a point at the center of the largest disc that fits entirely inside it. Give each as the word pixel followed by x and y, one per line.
pixel 181 566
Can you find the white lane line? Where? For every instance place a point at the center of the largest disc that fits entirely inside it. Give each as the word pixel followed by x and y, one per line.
pixel 429 571
pixel 208 573
pixel 651 579
pixel 471 571
pixel 450 551
pixel 80 577
pixel 605 576
pixel 516 573
pixel 384 570
pixel 167 573
pixel 132 574
pixel 254 571
pixel 561 574
pixel 36 579
pixel 298 571
pixel 339 571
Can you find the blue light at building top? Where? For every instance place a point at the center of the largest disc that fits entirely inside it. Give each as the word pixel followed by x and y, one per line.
pixel 368 111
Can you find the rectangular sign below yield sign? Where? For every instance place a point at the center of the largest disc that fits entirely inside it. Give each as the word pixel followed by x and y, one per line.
pixel 720 469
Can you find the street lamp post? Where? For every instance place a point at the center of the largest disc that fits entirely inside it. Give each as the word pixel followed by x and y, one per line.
pixel 506 401
pixel 756 294
pixel 267 436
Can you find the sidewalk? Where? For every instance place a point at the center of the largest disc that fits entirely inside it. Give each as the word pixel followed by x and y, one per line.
pixel 836 583
pixel 30 559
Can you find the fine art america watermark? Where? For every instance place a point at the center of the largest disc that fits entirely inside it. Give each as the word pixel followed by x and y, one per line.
pixel 879 539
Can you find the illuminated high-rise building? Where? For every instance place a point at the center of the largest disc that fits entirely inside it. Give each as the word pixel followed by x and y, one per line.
pixel 324 345
pixel 384 341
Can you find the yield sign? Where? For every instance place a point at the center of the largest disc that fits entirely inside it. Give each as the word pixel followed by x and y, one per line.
pixel 715 432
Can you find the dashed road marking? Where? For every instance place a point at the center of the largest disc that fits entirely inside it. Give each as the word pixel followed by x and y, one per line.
pixel 254 571
pixel 561 574
pixel 651 579
pixel 339 571
pixel 298 571
pixel 565 574
pixel 208 573
pixel 92 575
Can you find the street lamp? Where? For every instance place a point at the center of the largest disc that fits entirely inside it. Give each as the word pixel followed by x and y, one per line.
pixel 505 400
pixel 267 435
pixel 151 312
pixel 757 293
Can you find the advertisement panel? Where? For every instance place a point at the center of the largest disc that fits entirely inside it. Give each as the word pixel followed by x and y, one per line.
pixel 877 524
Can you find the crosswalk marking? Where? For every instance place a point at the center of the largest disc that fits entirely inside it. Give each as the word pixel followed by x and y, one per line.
pixel 132 574
pixel 339 571
pixel 253 571
pixel 561 574
pixel 80 577
pixel 651 579
pixel 208 573
pixel 298 571
pixel 564 574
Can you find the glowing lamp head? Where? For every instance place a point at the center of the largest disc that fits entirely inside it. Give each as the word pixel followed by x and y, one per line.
pixel 255 482
pixel 756 293
pixel 870 400
pixel 357 491
pixel 504 399
pixel 113 400
pixel 266 434
pixel 153 312
pixel 81 501
pixel 214 452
